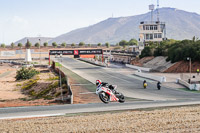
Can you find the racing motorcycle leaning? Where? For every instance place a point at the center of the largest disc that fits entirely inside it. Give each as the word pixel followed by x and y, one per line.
pixel 108 93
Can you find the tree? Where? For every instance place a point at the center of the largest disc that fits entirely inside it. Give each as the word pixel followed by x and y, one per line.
pixel 146 52
pixel 81 44
pixel 123 42
pixel 117 48
pixel 117 44
pixel 63 44
pixel 133 42
pixel 45 44
pixel 19 45
pixel 54 44
pixel 89 45
pixel 107 44
pixel 3 45
pixel 73 45
pixel 12 45
pixel 37 45
pixel 28 44
pixel 99 44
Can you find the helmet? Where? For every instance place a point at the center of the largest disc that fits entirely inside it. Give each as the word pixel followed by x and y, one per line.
pixel 98 82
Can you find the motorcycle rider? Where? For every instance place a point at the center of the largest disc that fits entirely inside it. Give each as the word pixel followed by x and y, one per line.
pixel 144 84
pixel 104 84
pixel 158 85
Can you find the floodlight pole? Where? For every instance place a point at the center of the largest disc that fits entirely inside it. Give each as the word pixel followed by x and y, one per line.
pixel 190 64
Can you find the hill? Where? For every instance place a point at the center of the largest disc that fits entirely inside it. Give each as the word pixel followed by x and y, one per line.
pixel 180 25
pixel 33 40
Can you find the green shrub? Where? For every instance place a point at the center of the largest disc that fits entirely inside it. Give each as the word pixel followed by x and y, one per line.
pixel 26 73
pixel 28 85
pixel 45 91
pixel 53 78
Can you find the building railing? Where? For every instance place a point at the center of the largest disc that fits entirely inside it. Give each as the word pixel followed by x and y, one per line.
pixel 152 22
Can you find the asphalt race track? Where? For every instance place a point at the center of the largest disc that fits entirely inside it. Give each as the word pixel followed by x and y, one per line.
pixel 128 84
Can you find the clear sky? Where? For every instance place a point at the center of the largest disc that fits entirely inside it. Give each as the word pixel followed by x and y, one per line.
pixel 50 18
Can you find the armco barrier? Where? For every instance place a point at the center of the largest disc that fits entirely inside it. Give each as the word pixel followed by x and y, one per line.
pixel 189 86
pixel 137 67
pixel 150 76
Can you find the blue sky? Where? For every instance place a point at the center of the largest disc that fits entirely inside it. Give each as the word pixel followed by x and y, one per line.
pixel 50 18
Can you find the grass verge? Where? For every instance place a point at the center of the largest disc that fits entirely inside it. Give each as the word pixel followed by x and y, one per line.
pixel 79 80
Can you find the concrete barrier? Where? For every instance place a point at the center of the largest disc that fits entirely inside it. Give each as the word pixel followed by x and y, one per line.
pixel 137 67
pixel 150 76
pixel 189 86
pixel 98 63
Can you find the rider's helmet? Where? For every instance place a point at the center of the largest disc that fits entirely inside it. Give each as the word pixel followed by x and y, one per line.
pixel 98 82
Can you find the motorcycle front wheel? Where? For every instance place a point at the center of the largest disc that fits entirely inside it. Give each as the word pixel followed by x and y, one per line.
pixel 104 97
pixel 121 98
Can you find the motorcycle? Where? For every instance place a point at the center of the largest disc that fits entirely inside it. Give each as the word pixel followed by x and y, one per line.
pixel 107 95
pixel 145 85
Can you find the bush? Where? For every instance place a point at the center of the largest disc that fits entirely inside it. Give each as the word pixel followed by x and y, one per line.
pixel 26 73
pixel 147 51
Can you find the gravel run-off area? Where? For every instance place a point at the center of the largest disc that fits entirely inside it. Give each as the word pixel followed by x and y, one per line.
pixel 179 119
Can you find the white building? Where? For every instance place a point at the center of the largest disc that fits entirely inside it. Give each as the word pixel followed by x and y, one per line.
pixel 153 31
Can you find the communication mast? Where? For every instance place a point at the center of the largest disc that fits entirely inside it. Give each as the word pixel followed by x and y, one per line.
pixel 158 19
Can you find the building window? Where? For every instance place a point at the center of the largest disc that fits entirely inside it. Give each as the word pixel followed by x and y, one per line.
pixel 155 27
pixel 159 35
pixel 155 35
pixel 144 27
pixel 149 36
pixel 151 27
pixel 147 27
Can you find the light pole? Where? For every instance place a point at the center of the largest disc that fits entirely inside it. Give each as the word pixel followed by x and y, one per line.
pixel 40 50
pixel 61 77
pixel 189 59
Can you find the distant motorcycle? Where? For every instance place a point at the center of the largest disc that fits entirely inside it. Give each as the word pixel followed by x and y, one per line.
pixel 145 84
pixel 107 95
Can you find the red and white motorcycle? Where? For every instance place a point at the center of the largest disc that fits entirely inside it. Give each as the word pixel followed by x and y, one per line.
pixel 107 95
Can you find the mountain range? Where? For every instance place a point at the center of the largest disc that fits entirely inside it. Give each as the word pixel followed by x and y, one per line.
pixel 180 25
pixel 34 40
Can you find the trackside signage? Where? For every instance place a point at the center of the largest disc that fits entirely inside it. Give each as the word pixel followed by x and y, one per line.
pixel 91 51
pixel 75 52
pixel 63 52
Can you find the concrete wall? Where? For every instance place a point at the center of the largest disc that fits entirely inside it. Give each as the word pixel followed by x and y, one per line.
pixel 189 86
pixel 137 67
pixel 150 76
pixel 92 61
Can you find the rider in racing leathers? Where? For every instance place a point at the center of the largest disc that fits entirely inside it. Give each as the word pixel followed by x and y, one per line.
pixel 104 84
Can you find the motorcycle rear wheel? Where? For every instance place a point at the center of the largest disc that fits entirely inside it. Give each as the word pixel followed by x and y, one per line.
pixel 104 97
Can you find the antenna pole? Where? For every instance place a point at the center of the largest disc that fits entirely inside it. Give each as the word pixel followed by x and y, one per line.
pixel 158 10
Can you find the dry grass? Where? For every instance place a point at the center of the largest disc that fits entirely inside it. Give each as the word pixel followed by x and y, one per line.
pixel 184 119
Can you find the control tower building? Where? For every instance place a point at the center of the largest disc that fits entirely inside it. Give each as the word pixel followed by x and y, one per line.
pixel 152 31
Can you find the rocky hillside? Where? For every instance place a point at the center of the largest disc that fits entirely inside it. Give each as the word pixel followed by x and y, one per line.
pixel 180 25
